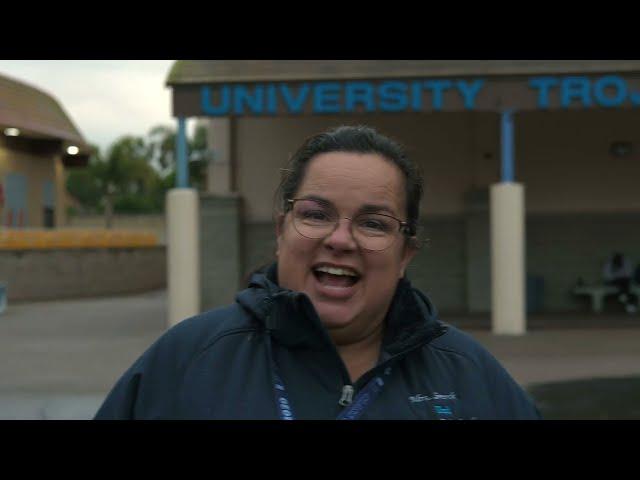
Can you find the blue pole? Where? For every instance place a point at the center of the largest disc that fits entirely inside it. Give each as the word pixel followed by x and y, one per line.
pixel 507 141
pixel 182 173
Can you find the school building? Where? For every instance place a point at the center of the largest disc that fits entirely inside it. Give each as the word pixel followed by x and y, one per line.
pixel 568 131
pixel 38 141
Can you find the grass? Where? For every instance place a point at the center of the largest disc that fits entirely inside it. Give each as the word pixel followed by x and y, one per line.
pixel 594 399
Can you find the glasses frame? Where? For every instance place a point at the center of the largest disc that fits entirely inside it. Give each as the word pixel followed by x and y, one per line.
pixel 403 227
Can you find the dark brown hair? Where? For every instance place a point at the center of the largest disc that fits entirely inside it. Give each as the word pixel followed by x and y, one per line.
pixel 356 139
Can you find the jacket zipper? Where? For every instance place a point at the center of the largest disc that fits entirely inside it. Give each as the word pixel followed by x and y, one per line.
pixel 347 395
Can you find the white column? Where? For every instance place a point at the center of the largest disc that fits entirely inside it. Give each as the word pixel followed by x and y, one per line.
pixel 220 168
pixel 508 314
pixel 183 254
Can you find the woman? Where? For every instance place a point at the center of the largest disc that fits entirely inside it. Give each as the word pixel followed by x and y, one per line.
pixel 333 329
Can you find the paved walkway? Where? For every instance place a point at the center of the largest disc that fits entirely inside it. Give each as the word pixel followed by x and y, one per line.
pixel 59 359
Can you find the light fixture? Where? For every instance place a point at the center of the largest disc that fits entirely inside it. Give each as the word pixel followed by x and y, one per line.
pixel 73 150
pixel 11 132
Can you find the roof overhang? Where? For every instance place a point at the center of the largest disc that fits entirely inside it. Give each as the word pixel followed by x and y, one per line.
pixel 284 88
pixel 41 121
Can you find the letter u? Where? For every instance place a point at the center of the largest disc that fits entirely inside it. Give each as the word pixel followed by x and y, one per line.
pixel 215 110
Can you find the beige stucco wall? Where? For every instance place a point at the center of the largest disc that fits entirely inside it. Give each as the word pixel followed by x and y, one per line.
pixel 60 192
pixel 561 157
pixel 37 170
pixel 442 144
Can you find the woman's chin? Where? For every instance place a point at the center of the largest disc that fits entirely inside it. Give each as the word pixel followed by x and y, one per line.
pixel 334 316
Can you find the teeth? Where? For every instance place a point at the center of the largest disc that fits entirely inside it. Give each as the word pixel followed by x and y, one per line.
pixel 337 271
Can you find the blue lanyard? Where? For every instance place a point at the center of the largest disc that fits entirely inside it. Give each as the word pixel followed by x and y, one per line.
pixel 354 411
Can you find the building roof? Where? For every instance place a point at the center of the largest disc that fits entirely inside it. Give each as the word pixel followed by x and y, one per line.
pixel 35 113
pixel 217 71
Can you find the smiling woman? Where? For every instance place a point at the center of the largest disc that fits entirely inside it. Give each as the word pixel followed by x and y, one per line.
pixel 333 328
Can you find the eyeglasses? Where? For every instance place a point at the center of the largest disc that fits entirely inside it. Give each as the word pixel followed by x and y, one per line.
pixel 372 231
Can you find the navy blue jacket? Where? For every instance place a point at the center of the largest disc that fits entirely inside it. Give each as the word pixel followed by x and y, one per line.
pixel 219 365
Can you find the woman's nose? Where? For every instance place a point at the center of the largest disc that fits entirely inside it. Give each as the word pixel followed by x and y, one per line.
pixel 341 238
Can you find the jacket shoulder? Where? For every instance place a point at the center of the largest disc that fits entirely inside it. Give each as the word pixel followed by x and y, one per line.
pixel 147 388
pixel 196 333
pixel 457 342
pixel 511 401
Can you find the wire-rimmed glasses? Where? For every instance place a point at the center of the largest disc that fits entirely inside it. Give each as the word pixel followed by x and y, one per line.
pixel 316 219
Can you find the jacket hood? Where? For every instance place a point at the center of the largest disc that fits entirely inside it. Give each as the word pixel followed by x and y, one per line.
pixel 291 318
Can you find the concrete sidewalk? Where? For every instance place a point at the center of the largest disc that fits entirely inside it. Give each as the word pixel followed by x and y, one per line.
pixel 58 360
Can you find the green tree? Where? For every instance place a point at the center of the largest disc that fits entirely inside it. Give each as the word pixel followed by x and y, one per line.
pixel 135 173
pixel 122 180
pixel 162 154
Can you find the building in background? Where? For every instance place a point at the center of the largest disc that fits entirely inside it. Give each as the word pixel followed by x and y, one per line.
pixel 38 141
pixel 576 140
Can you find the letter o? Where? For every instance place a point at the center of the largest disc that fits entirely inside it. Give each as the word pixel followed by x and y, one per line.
pixel 610 81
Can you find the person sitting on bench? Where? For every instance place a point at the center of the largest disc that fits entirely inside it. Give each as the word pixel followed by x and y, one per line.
pixel 617 271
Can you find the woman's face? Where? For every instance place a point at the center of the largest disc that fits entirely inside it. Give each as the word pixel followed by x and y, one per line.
pixel 349 182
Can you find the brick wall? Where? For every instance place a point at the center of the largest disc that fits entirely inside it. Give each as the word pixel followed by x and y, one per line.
pixel 53 274
pixel 221 247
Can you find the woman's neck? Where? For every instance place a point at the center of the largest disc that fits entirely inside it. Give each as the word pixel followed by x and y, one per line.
pixel 362 355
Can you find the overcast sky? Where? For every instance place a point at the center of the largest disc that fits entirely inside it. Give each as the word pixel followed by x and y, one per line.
pixel 104 98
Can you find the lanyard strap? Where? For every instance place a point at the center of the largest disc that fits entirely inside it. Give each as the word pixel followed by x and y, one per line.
pixel 284 406
pixel 354 411
pixel 364 398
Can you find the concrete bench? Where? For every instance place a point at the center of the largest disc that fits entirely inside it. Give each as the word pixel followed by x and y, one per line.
pixel 599 292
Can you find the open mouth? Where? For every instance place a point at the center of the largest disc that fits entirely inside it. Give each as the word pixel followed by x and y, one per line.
pixel 336 277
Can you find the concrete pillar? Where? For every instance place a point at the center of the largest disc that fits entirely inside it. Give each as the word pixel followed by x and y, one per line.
pixel 507 259
pixel 183 254
pixel 220 167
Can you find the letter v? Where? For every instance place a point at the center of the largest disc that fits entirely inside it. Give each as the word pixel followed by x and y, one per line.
pixel 295 104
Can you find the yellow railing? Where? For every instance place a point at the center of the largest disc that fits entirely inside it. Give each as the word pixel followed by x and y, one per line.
pixel 75 238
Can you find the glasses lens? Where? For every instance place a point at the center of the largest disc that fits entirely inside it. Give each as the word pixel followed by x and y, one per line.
pixel 375 232
pixel 313 219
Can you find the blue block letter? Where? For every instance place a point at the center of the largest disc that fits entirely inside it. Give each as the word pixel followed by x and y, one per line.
pixel 614 82
pixel 242 97
pixel 393 96
pixel 215 110
pixel 326 97
pixel 359 92
pixel 469 92
pixel 544 84
pixel 438 87
pixel 575 88
pixel 295 104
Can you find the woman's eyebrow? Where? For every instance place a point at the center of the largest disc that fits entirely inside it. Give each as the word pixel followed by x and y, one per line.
pixel 373 208
pixel 366 208
pixel 318 199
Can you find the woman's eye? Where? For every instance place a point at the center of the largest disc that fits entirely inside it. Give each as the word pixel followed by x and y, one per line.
pixel 374 225
pixel 315 215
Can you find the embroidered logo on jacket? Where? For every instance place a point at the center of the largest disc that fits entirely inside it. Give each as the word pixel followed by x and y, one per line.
pixel 435 396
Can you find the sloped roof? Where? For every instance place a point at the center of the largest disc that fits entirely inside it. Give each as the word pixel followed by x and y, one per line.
pixel 217 71
pixel 35 112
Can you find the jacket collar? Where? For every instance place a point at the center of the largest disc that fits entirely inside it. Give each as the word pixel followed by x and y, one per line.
pixel 292 320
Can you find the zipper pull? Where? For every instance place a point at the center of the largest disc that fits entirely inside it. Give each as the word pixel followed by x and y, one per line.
pixel 347 395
